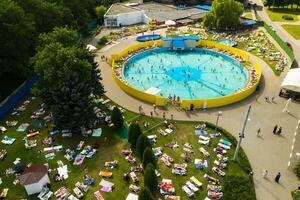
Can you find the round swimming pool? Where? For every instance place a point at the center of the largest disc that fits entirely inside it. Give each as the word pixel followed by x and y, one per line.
pixel 197 74
pixel 227 42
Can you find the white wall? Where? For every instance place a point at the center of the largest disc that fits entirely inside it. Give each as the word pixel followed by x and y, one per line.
pixel 131 18
pixel 37 187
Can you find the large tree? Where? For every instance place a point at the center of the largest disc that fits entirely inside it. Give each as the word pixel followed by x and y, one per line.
pixel 66 79
pixel 141 144
pixel 225 15
pixel 117 118
pixel 16 39
pixel 238 187
pixel 47 15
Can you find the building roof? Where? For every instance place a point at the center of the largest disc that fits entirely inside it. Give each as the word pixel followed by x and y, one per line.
pixel 33 174
pixel 292 80
pixel 118 8
pixel 184 21
pixel 197 16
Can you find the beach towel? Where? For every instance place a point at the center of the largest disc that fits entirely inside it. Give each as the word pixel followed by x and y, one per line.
pixel 8 140
pixel 79 159
pixel 37 124
pixel 200 132
pixel 97 132
pixel 105 102
pixel 63 171
pixel 23 127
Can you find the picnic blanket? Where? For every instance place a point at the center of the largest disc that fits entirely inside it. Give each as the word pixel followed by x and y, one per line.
pixel 23 127
pixel 2 129
pixel 105 183
pixel 132 196
pixel 105 102
pixel 98 195
pixel 54 149
pixel 97 132
pixel 11 123
pixel 8 140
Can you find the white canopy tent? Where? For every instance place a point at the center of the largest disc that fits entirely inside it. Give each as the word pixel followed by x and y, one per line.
pixel 170 23
pixel 292 80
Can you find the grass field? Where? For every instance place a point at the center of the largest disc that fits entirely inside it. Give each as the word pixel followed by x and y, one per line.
pixel 110 149
pixel 277 13
pixel 294 30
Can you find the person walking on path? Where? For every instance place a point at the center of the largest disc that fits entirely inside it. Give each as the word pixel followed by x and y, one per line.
pixel 265 173
pixel 277 177
pixel 151 114
pixel 279 130
pixel 164 115
pixel 275 129
pixel 258 132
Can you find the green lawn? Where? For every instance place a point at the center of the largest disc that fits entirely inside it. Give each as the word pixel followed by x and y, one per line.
pixel 294 30
pixel 111 150
pixel 277 13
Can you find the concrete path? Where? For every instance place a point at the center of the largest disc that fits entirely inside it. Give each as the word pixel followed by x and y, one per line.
pixel 285 36
pixel 269 151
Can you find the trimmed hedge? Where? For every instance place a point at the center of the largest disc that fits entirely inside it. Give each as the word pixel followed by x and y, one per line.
pixel 287 17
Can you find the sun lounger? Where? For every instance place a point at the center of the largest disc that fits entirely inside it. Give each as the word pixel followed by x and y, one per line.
pixel 172 197
pixel 223 146
pixel 82 186
pixel 188 191
pixel 62 193
pixel 214 188
pixel 134 188
pixel 3 153
pixel 204 142
pixel 10 124
pixel 49 156
pixel 211 179
pixel 2 129
pixel 222 158
pixel 214 195
pixel 192 186
pixel 106 185
pixel 204 152
pixel 130 159
pixel 98 195
pixel 47 196
pixel 168 130
pixel 218 171
pixel 200 132
pixel 220 164
pixel 196 181
pixel 80 145
pixel 162 132
pixel 133 177
pixel 22 127
pixel 43 192
pixel 180 172
pixel 105 102
pixel 219 150
pixel 77 192
pixel 111 164
pixel 225 142
pixel 138 168
pixel 105 174
pixel 54 132
pixel 89 181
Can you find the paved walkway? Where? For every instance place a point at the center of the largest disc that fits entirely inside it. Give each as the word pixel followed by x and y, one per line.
pixel 285 36
pixel 266 152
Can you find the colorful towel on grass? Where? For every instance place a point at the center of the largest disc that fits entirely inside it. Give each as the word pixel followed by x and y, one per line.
pixel 97 132
pixel 23 127
pixel 200 132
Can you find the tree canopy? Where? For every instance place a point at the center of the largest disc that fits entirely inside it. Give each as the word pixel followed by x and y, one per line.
pixel 237 187
pixel 117 118
pixel 141 144
pixel 67 79
pixel 148 157
pixel 145 194
pixel 225 15
pixel 16 39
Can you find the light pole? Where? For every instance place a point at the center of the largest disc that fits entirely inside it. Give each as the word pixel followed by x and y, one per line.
pixel 241 135
pixel 220 113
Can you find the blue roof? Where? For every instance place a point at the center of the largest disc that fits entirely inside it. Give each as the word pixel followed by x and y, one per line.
pixel 191 37
pixel 178 44
pixel 203 7
pixel 249 22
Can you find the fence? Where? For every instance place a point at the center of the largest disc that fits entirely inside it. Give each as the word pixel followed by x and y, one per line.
pixel 18 95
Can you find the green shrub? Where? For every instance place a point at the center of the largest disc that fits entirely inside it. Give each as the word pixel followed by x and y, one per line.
pixel 117 118
pixel 145 194
pixel 148 157
pixel 237 187
pixel 141 144
pixel 287 17
pixel 150 179
pixel 297 170
pixel 134 131
pixel 102 41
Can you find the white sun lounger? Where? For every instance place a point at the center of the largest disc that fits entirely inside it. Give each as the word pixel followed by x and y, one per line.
pixel 192 186
pixel 187 191
pixel 47 196
pixel 196 181
pixel 224 146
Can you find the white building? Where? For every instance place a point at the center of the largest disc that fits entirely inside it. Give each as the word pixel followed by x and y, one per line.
pixel 121 15
pixel 34 178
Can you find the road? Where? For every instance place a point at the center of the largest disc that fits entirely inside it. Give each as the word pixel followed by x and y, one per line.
pixel 285 36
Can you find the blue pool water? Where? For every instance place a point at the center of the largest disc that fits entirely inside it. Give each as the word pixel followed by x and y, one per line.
pixel 227 42
pixel 198 74
pixel 145 38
